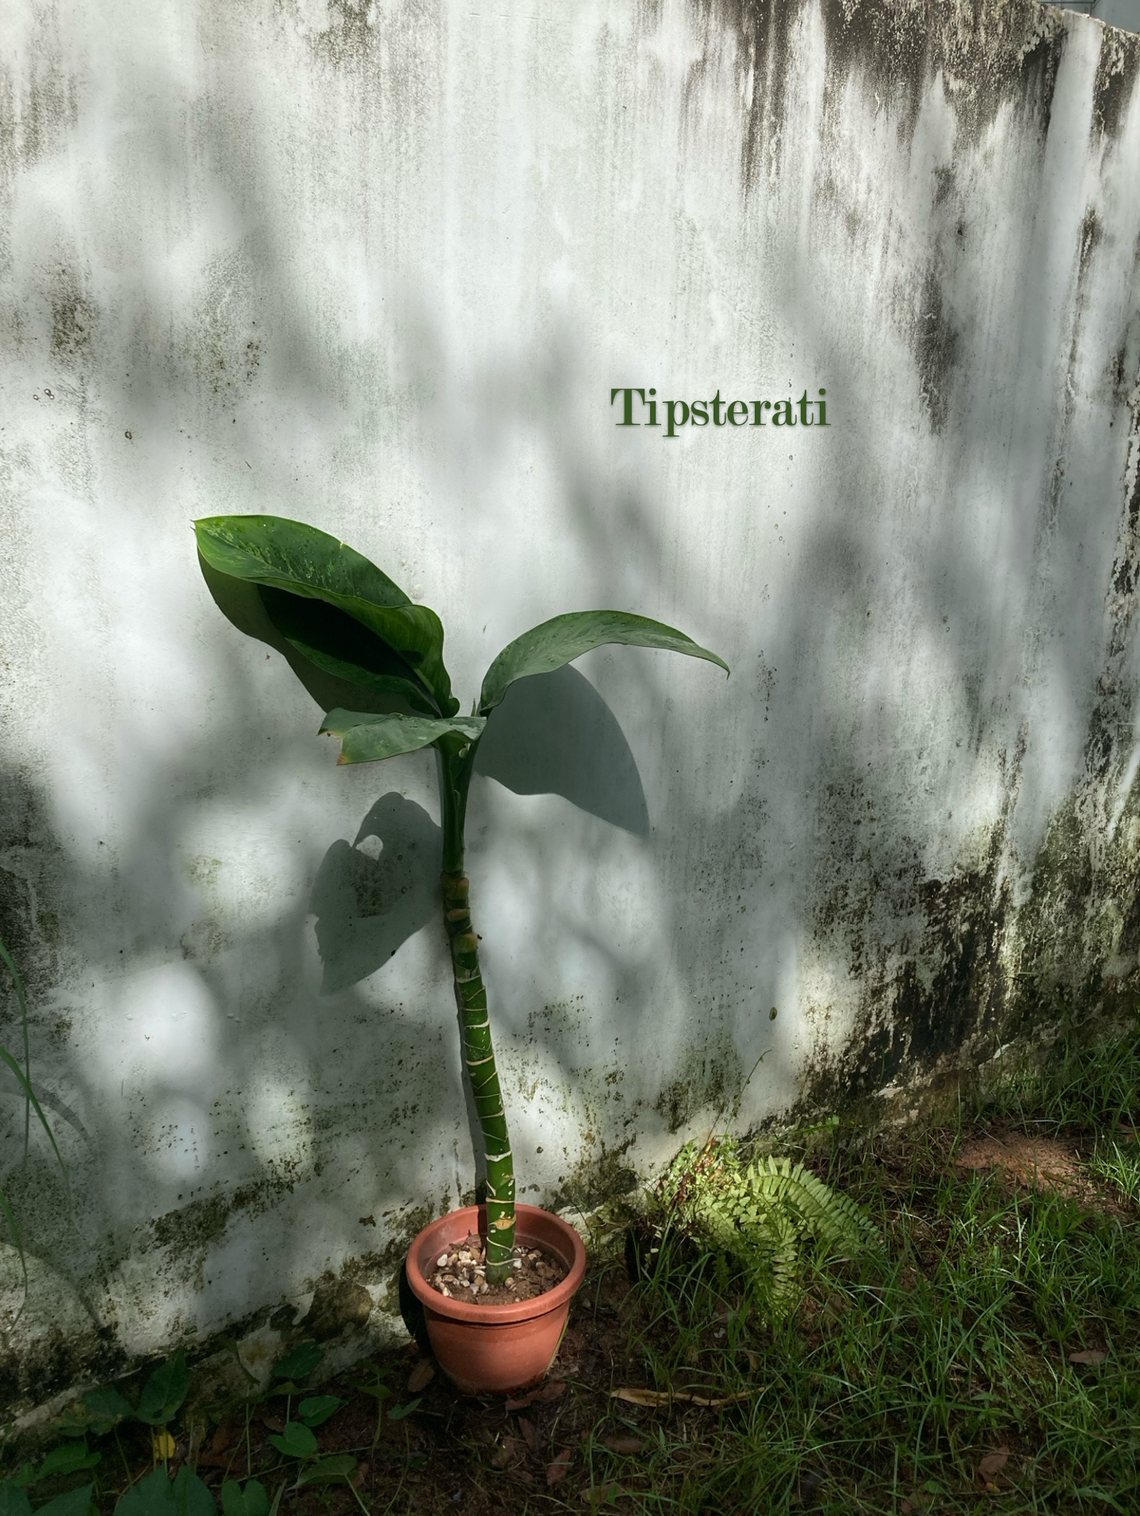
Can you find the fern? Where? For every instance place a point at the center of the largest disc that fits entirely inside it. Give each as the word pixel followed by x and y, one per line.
pixel 762 1214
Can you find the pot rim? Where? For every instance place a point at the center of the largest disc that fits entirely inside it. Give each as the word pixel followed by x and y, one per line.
pixel 470 1216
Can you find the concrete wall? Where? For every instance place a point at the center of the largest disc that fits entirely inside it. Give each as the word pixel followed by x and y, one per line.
pixel 378 266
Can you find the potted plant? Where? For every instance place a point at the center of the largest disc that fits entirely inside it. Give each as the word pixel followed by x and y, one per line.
pixel 345 617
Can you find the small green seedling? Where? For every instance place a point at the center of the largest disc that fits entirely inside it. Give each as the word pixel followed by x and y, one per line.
pixel 296 1441
pixel 98 1413
pixel 68 1458
pixel 328 1470
pixel 102 1410
pixel 316 1409
pixel 398 1412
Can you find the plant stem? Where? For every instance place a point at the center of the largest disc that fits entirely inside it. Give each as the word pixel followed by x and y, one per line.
pixel 471 997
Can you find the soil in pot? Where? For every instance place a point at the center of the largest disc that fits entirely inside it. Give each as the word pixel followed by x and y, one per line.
pixel 460 1274
pixel 485 1347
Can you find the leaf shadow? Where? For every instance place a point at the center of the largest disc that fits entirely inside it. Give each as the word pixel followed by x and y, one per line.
pixel 368 902
pixel 555 735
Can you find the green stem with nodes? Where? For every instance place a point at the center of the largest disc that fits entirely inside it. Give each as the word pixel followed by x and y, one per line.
pixel 456 767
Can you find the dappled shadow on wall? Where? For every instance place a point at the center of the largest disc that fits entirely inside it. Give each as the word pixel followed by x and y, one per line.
pixel 553 734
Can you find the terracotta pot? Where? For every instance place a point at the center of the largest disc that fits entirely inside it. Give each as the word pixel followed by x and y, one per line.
pixel 490 1349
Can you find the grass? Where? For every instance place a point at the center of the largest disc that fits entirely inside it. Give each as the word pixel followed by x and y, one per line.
pixel 987 1358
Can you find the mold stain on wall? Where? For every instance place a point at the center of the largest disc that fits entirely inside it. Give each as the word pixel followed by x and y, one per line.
pixel 987 55
pixel 1005 949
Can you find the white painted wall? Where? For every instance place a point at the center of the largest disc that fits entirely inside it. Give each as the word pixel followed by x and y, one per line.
pixel 378 267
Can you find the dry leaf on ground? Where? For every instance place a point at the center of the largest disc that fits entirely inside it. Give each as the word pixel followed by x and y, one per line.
pixel 560 1466
pixel 216 1455
pixel 669 1397
pixel 541 1396
pixel 992 1464
pixel 625 1444
pixel 509 1451
pixel 421 1376
pixel 529 1437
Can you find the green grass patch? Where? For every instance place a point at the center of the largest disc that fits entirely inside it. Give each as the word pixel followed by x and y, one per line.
pixel 985 1355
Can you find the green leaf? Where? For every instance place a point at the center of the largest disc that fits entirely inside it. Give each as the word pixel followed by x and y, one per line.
pixel 336 642
pixel 398 1412
pixel 65 1459
pixel 547 647
pixel 252 1501
pixel 164 1391
pixel 289 555
pixel 13 1500
pixel 74 1503
pixel 100 1411
pixel 318 1408
pixel 339 1466
pixel 151 1496
pixel 300 1363
pixel 365 738
pixel 296 1441
pixel 192 1495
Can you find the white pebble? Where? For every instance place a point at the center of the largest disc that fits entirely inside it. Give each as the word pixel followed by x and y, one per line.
pixel 441 1261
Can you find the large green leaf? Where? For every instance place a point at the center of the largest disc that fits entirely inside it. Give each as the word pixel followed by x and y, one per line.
pixel 74 1503
pixel 547 647
pixel 164 1391
pixel 252 1501
pixel 13 1500
pixel 289 555
pixel 365 738
pixel 156 1494
pixel 339 644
